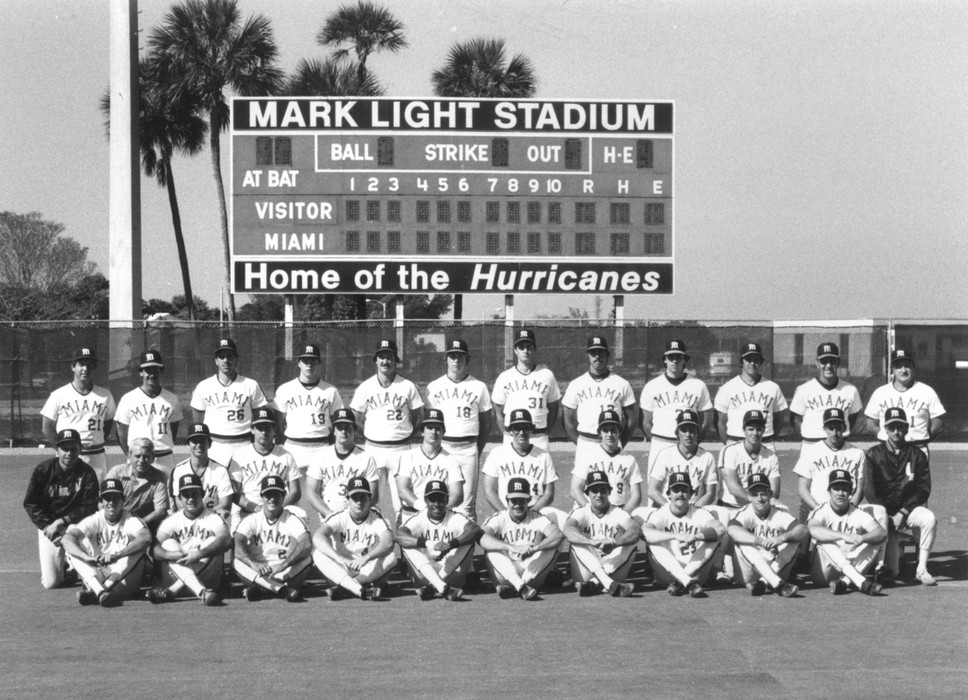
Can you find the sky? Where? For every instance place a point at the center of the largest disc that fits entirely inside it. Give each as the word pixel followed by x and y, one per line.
pixel 821 148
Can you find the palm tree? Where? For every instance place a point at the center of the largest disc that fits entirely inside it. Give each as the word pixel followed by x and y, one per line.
pixel 204 49
pixel 165 127
pixel 478 68
pixel 367 28
pixel 326 78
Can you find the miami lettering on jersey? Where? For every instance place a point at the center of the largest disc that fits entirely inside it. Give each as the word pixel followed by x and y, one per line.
pixel 518 535
pixel 262 467
pixel 272 536
pixel 308 401
pixel 341 471
pixel 828 400
pixel 836 460
pixel 455 393
pixel 522 468
pixel 677 397
pixel 600 530
pixel 225 398
pixel 610 395
pixel 113 536
pixel 151 410
pixel 358 536
pixel 194 531
pixel 620 471
pixel 86 405
pixel 526 384
pixel 751 396
pixel 426 471
pixel 681 526
pixel 386 398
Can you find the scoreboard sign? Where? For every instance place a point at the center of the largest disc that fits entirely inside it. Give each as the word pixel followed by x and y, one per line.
pixel 394 195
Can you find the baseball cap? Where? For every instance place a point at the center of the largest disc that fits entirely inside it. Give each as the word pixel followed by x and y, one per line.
pixel 687 417
pixel 901 354
pixel 67 435
pixel 84 354
pixel 839 476
pixel 609 417
pixel 262 415
pixel 596 478
pixel 754 415
pixel 757 479
pixel 386 345
pixel 834 415
pixel 111 486
pixel 675 347
pixel 433 416
pixel 226 344
pixel 596 342
pixel 310 350
pixel 199 430
pixel 895 415
pixel 751 349
pixel 436 486
pixel 187 482
pixel 344 415
pixel 272 482
pixel 358 485
pixel 518 487
pixel 151 358
pixel 522 417
pixel 828 350
pixel 525 335
pixel 456 345
pixel 679 479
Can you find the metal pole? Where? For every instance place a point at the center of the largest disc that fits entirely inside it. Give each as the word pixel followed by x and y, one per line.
pixel 508 329
pixel 619 300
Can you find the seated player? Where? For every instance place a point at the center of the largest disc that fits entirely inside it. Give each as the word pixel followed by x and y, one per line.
pixel 520 544
pixel 108 549
pixel 602 538
pixel 682 540
pixel 190 546
pixel 765 540
pixel 849 540
pixel 607 456
pixel 438 544
pixel 354 547
pixel 272 547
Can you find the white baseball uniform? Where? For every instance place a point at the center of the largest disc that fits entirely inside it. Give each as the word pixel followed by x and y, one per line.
pixel 812 398
pixel 350 538
pixel 622 470
pixel 249 467
pixel 509 567
pixel 833 558
pixel 189 535
pixel 228 412
pixel 532 391
pixel 420 469
pixel 736 458
pixel 920 402
pixel 588 396
pixel 452 525
pixel 752 562
pixel 308 410
pixel 270 541
pixel 701 468
pixel 503 463
pixel 216 483
pixel 665 400
pixel 675 560
pixel 585 559
pixel 102 538
pixel 817 460
pixel 85 413
pixel 736 397
pixel 151 418
pixel 333 470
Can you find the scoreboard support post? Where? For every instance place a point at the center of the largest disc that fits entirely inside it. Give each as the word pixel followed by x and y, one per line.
pixel 619 301
pixel 289 314
pixel 508 329
pixel 398 321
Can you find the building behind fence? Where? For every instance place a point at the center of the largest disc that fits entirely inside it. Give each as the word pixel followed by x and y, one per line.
pixel 35 358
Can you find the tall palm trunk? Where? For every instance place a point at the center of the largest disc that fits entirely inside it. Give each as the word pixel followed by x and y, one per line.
pixel 214 126
pixel 179 239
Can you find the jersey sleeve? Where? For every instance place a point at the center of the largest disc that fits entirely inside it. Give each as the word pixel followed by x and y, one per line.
pixel 550 474
pixel 705 403
pixel 797 404
pixel 258 396
pixel 554 393
pixel 198 397
pixel 176 409
pixel 50 407
pixel 358 402
pixel 110 407
pixel 804 467
pixel 416 400
pixel 856 406
pixel 499 395
pixel 123 414
pixel 570 398
pixel 635 473
pixel 485 404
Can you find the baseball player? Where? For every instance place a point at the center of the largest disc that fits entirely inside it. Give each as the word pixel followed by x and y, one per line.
pixel 765 541
pixel 520 544
pixel 899 479
pixel 388 409
pixel 354 547
pixel 748 391
pixel 599 389
pixel 682 540
pixel 217 488
pixel 920 403
pixel 145 488
pixel 739 460
pixel 150 411
pixel 826 390
pixel 438 545
pixel 428 462
pixel 272 547
pixel 327 475
pixel 848 539
pixel 669 394
pixel 190 545
pixel 818 459
pixel 83 406
pixel 466 404
pixel 304 406
pixel 62 490
pixel 621 468
pixel 108 550
pixel 684 456
pixel 602 539
pixel 256 460
pixel 225 402
pixel 527 386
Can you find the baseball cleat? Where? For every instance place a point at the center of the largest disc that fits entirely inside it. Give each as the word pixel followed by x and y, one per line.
pixel 160 595
pixel 86 597
pixel 884 576
pixel 625 590
pixel 757 588
pixel 869 587
pixel 788 590
pixel 585 588
pixel 925 578
pixel 676 589
pixel 335 593
pixel 695 590
pixel 838 587
pixel 425 592
pixel 252 593
pixel 294 596
pixel 528 593
pixel 505 591
pixel 210 597
pixel 372 593
pixel 452 594
pixel 723 580
pixel 108 599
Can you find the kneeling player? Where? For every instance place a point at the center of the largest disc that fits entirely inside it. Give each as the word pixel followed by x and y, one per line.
pixel 766 541
pixel 190 546
pixel 849 539
pixel 438 544
pixel 603 539
pixel 272 547
pixel 520 544
pixel 113 560
pixel 354 547
pixel 682 540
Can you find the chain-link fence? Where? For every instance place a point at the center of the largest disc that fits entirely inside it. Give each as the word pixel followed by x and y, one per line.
pixel 35 358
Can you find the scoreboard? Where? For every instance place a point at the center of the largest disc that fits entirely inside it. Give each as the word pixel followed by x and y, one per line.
pixel 451 195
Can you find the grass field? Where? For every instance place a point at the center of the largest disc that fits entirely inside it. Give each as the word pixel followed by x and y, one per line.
pixel 911 642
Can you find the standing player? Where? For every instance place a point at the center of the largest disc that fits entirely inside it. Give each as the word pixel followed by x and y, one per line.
pixel 427 462
pixel 602 539
pixel 438 544
pixel 145 488
pixel 272 547
pixel 466 404
pixel 354 547
pixel 216 484
pixel 599 389
pixel 668 395
pixel 108 550
pixel 684 456
pixel 747 391
pixel 827 390
pixel 304 406
pixel 527 386
pixel 739 460
pixel 225 401
pixel 920 403
pixel 621 468
pixel 62 491
pixel 328 474
pixel 150 411
pixel 388 408
pixel 83 406
pixel 520 544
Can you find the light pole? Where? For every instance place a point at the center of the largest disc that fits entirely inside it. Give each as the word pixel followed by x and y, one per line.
pixel 382 305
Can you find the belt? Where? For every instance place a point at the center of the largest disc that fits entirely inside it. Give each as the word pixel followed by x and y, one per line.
pixel 740 439
pixel 404 441
pixel 163 453
pixel 588 436
pixel 308 441
pixel 92 450
pixel 536 431
pixel 468 438
pixel 231 438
